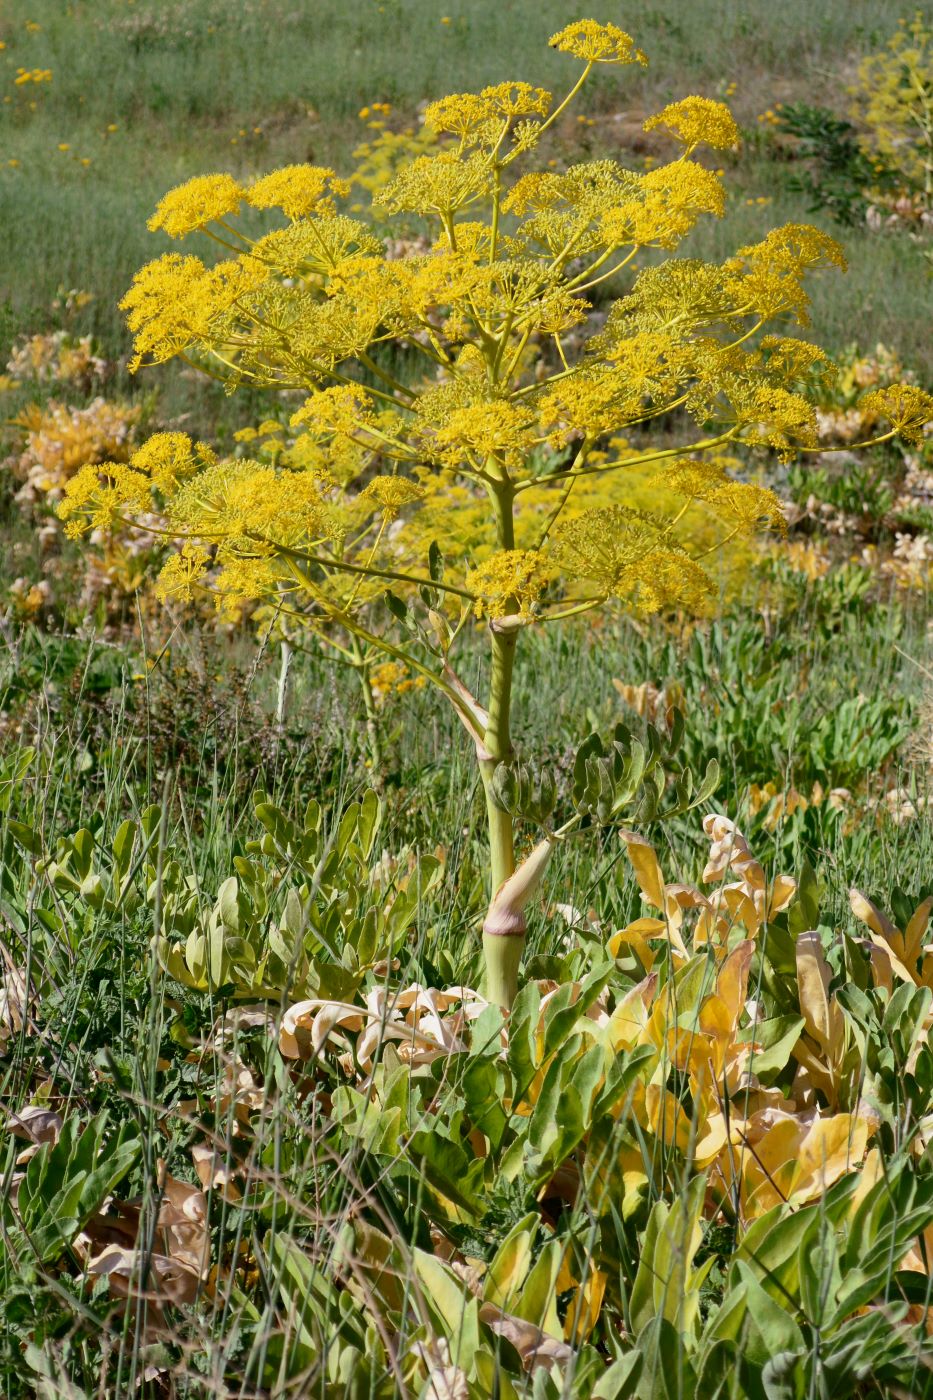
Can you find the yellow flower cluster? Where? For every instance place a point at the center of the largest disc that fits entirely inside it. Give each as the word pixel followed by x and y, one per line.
pixel 907 408
pixel 597 43
pixel 182 572
pixel 629 555
pixel 176 301
pixel 770 273
pixel 674 196
pixel 100 497
pixel 167 458
pixel 608 397
pixel 207 199
pixel 392 678
pixel 296 189
pixel 340 413
pixel 391 494
pixel 696 120
pixel 894 101
pixel 438 185
pixel 510 582
pixel 32 75
pixel 499 430
pixel 746 503
pixel 197 203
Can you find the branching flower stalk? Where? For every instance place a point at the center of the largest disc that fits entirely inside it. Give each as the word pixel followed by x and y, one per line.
pixel 508 426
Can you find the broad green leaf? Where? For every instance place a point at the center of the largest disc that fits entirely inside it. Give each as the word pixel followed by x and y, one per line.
pixel 777 1038
pixel 448 1169
pixel 123 844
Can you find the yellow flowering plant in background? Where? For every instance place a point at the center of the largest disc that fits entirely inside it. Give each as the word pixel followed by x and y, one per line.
pixel 894 101
pixel 517 397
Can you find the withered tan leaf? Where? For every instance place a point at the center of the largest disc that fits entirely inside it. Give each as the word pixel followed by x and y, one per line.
pixel 535 1347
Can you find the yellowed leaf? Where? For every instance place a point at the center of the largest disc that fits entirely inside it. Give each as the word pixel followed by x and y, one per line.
pixel 647 870
pixel 871 915
pixel 732 983
pixel 821 1015
pixel 871 1173
pixel 894 961
pixel 831 1147
pixel 667 1119
pixel 635 935
pixel 915 930
pixel 584 1308
pixel 881 968
pixel 630 1017
pixel 781 892
pixel 712 1137
pixel 742 907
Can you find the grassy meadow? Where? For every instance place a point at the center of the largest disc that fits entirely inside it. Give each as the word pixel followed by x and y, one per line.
pixel 263 1136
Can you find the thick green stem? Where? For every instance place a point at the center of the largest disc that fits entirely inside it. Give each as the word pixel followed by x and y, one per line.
pixel 502 949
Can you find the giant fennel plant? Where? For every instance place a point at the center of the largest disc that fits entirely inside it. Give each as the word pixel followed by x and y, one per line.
pixel 501 408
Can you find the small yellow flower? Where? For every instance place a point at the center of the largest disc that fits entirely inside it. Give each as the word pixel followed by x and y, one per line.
pixel 113 127
pixel 64 146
